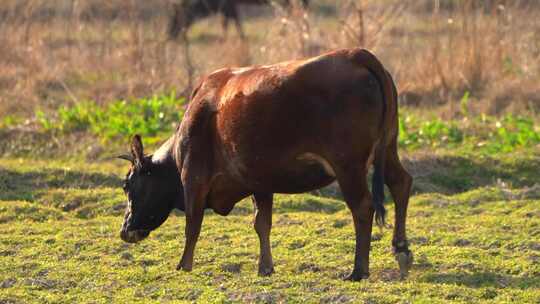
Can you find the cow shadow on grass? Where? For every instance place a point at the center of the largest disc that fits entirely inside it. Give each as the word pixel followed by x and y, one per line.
pixel 432 174
pixel 456 174
pixel 28 185
pixel 294 203
pixel 483 279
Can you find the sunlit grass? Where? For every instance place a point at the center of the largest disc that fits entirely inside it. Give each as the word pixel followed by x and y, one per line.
pixel 59 242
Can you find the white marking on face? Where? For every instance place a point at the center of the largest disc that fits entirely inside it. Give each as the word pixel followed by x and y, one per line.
pixel 312 157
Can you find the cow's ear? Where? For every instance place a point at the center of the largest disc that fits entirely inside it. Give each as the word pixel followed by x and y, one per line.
pixel 137 150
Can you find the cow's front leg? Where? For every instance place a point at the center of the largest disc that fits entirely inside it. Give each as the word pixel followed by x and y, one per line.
pixel 193 228
pixel 194 196
pixel 263 224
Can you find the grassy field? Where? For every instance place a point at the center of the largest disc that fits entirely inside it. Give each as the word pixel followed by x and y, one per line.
pixel 474 226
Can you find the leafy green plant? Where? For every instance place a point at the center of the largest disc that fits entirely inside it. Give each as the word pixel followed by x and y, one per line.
pixel 483 133
pixel 464 104
pixel 145 116
pixel 157 116
pixel 433 133
pixel 43 120
pixel 9 121
pixel 511 132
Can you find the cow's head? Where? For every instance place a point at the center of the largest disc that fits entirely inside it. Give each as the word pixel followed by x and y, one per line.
pixel 153 189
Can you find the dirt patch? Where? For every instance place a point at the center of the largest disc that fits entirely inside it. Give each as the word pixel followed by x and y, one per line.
pixel 534 246
pixel 232 267
pixel 340 223
pixel 337 298
pixel 257 297
pixel 7 283
pixel 71 206
pixel 296 244
pixel 41 283
pixel 419 240
pixel 308 267
pixel 462 243
pixel 285 220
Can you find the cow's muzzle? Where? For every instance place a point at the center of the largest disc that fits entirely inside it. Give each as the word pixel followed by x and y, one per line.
pixel 133 236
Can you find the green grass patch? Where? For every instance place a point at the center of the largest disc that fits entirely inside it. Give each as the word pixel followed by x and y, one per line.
pixel 484 134
pixel 146 116
pixel 156 117
pixel 474 241
pixel 9 121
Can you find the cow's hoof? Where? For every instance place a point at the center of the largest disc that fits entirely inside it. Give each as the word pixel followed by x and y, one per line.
pixel 405 260
pixel 183 266
pixel 266 271
pixel 356 276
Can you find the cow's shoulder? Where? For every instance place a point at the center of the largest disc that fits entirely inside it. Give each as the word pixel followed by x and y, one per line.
pixel 201 108
pixel 208 90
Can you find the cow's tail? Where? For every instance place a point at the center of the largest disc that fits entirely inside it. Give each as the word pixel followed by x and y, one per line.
pixel 368 60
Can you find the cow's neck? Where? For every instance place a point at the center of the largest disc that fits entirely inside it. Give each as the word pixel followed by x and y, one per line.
pixel 164 155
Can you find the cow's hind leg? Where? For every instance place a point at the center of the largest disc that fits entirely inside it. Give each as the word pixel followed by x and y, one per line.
pixel 353 183
pixel 399 181
pixel 263 224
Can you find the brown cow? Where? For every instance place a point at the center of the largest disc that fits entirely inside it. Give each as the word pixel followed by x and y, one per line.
pixel 290 127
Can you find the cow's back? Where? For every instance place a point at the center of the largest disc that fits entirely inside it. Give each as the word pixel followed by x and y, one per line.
pixel 267 117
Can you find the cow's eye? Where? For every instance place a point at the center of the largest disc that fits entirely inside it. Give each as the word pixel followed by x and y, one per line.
pixel 146 172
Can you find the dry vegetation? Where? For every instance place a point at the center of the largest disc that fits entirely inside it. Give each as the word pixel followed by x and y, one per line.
pixel 57 52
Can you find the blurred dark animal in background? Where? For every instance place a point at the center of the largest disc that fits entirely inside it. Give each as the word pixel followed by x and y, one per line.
pixel 187 12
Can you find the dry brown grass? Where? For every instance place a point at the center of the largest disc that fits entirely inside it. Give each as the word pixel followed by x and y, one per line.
pixel 57 52
pixel 483 53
